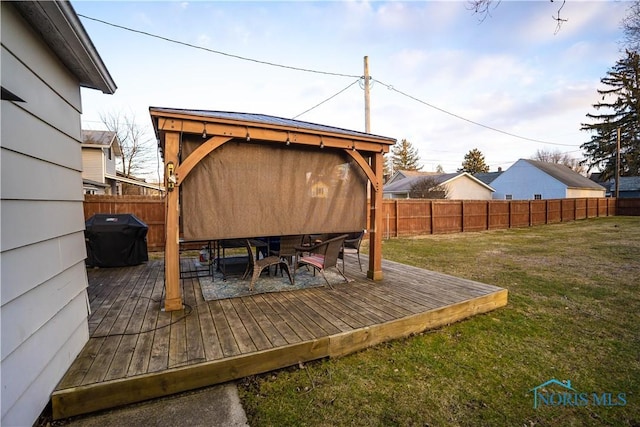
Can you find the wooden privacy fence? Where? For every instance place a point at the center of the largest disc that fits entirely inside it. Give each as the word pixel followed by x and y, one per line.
pixel 408 217
pixel 416 217
pixel 150 209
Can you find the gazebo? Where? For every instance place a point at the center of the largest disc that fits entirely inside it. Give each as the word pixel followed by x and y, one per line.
pixel 239 175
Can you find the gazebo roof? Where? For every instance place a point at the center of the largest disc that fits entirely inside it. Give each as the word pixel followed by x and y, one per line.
pixel 250 122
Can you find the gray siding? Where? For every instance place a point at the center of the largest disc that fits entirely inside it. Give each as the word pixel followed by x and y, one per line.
pixel 43 300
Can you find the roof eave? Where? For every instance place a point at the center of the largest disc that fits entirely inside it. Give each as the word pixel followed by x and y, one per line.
pixel 61 29
pixel 158 112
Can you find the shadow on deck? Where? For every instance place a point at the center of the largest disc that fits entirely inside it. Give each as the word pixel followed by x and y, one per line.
pixel 137 352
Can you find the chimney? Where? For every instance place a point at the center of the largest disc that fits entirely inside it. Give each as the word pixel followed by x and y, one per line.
pixel 499 168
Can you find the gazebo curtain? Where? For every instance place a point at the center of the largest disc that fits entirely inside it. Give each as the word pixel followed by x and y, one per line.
pixel 251 189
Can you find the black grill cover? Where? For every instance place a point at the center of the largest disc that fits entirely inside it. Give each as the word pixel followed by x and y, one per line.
pixel 115 240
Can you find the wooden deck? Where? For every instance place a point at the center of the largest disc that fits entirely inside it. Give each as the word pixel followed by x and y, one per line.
pixel 138 352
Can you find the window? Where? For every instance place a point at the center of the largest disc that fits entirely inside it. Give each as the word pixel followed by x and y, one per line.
pixel 109 153
pixel 508 196
pixel 537 197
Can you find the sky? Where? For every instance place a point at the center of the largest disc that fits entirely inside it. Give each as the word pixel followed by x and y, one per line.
pixel 443 78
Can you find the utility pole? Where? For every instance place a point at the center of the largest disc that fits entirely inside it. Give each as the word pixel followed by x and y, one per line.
pixel 617 164
pixel 367 112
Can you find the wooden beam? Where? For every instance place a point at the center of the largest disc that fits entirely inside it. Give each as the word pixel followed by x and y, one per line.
pixel 192 123
pixel 298 136
pixel 376 221
pixel 375 181
pixel 173 296
pixel 198 154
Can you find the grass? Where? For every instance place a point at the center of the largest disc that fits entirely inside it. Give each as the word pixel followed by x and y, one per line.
pixel 573 314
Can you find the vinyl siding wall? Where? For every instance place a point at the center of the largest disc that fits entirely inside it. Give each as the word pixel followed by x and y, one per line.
pixel 110 165
pixel 43 310
pixel 463 188
pixel 577 193
pixel 93 164
pixel 523 181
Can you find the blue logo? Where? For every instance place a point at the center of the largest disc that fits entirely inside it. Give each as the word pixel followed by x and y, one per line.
pixel 561 393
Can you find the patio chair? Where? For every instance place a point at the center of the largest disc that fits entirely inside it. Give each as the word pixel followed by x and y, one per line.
pixel 352 246
pixel 257 265
pixel 287 251
pixel 320 257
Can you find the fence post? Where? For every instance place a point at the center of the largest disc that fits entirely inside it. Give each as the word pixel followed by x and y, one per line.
pixel 397 219
pixel 510 202
pixel 432 215
pixel 488 215
pixel 546 211
pixel 530 215
pixel 462 216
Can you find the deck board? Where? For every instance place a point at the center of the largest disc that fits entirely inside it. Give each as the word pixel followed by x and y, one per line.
pixel 137 351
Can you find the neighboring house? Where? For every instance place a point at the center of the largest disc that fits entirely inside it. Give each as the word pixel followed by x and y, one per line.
pixel 531 179
pixel 100 149
pixel 99 152
pixel 133 186
pixel 459 185
pixel 46 57
pixel 629 186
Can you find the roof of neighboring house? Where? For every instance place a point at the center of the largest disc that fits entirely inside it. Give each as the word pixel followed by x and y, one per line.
pixel 487 177
pixel 61 29
pixel 402 181
pixel 627 183
pixel 101 139
pixel 270 121
pixel 564 174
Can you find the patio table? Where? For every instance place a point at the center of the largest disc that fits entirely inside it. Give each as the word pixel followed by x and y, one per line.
pixel 223 261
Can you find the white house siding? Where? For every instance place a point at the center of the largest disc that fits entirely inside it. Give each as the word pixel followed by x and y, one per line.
pixel 463 188
pixel 93 164
pixel 43 303
pixel 575 193
pixel 523 180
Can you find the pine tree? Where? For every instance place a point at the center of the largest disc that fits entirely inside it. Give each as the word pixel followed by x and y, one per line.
pixel 405 157
pixel 474 162
pixel 621 107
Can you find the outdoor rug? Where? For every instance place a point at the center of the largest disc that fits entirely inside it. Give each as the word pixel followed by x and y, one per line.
pixel 233 286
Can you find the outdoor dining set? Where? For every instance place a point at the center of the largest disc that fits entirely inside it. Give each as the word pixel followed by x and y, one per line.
pixel 286 254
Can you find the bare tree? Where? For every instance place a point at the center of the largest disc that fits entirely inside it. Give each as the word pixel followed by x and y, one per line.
pixel 138 148
pixel 559 157
pixel 483 8
pixel 428 188
pixel 631 27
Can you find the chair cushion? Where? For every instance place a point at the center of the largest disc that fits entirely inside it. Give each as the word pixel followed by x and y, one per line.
pixel 314 259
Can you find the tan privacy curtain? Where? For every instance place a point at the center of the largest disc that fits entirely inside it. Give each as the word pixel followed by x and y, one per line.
pixel 253 189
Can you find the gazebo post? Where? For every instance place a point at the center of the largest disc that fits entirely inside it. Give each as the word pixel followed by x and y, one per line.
pixel 376 220
pixel 173 297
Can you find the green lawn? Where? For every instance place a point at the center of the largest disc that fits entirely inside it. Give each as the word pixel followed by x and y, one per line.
pixel 573 314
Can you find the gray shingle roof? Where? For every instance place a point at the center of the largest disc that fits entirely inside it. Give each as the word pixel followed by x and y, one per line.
pixel 97 137
pixel 269 120
pixel 627 183
pixel 412 177
pixel 564 174
pixel 487 177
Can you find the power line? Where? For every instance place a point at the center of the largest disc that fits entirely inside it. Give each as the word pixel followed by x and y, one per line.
pixel 273 64
pixel 328 99
pixel 390 87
